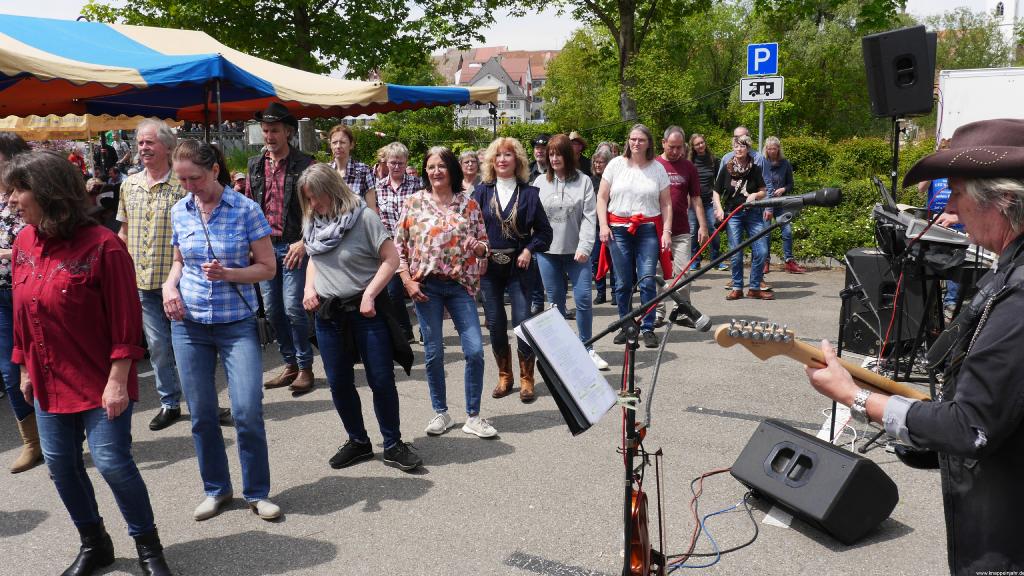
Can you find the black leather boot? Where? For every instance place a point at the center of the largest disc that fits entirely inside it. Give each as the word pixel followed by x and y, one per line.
pixel 97 551
pixel 151 554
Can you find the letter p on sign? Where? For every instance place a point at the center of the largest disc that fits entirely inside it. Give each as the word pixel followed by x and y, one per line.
pixel 762 59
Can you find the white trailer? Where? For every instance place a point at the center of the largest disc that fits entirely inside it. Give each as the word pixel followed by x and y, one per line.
pixel 980 94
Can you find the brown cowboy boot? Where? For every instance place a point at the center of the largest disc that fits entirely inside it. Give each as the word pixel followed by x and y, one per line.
pixel 31 454
pixel 303 382
pixel 286 377
pixel 526 379
pixel 505 375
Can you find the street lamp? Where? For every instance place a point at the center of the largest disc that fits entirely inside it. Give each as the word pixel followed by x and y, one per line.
pixel 493 111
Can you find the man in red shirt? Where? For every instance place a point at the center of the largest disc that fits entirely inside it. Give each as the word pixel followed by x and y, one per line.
pixel 271 183
pixel 684 184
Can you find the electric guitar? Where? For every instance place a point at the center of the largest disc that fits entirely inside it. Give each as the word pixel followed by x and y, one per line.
pixel 766 340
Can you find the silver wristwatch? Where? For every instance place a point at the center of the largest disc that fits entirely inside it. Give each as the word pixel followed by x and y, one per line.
pixel 859 408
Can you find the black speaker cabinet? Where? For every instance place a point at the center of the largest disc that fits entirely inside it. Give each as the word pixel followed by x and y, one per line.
pixel 900 66
pixel 834 490
pixel 870 308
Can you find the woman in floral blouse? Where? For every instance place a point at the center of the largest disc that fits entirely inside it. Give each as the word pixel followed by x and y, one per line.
pixel 10 224
pixel 442 249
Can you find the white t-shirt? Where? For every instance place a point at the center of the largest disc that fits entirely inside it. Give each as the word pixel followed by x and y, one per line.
pixel 635 190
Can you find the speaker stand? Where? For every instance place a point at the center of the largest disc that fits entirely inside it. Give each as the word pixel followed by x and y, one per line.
pixel 895 166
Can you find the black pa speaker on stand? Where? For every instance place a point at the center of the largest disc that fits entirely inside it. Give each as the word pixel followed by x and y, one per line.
pixel 900 66
pixel 833 489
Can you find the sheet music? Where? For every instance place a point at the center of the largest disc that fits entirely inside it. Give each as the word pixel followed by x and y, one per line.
pixel 566 355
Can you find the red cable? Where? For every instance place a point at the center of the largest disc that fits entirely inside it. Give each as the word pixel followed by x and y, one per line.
pixel 696 254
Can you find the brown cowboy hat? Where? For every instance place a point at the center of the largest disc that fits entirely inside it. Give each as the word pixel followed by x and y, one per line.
pixel 277 112
pixel 984 149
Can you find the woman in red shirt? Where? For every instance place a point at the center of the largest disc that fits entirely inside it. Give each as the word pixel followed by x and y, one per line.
pixel 77 328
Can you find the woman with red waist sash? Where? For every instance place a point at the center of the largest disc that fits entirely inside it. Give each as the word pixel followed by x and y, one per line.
pixel 634 210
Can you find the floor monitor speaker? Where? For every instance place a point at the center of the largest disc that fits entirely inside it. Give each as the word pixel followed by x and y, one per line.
pixel 831 488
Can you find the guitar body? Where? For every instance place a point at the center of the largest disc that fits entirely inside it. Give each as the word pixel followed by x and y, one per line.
pixel 640 540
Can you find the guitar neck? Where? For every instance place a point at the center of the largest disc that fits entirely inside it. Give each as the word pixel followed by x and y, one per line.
pixel 812 356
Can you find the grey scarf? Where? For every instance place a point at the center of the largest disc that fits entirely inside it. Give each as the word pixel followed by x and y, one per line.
pixel 323 234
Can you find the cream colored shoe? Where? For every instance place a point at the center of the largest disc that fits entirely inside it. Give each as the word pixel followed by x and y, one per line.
pixel 265 509
pixel 211 506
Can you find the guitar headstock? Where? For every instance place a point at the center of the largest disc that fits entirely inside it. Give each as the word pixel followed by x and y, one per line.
pixel 762 339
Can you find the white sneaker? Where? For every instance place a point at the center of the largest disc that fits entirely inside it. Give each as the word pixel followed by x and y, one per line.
pixel 211 506
pixel 597 360
pixel 440 423
pixel 479 426
pixel 265 509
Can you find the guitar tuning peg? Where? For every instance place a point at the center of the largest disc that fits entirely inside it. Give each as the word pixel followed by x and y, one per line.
pixel 758 336
pixel 779 337
pixel 775 326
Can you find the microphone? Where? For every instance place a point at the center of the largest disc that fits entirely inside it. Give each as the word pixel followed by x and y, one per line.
pixel 827 197
pixel 691 317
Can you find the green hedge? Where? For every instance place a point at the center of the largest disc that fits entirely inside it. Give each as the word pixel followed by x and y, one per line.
pixel 847 165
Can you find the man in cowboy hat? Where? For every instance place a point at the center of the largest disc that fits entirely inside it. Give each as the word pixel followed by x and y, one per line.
pixel 271 183
pixel 539 165
pixel 578 145
pixel 975 424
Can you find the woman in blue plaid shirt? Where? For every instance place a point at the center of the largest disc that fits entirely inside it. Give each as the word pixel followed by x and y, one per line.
pixel 210 299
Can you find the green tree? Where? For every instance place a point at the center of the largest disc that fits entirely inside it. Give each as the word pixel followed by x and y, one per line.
pixel 867 15
pixel 627 22
pixel 315 35
pixel 969 40
pixel 581 89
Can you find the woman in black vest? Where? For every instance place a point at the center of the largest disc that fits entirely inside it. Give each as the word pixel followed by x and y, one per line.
pixel 517 228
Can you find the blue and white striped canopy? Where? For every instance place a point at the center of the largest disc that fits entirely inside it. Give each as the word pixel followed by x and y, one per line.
pixel 65 67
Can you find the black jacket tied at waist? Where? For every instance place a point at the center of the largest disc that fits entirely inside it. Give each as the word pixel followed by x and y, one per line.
pixel 338 309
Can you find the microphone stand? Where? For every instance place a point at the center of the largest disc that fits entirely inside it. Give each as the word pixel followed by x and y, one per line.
pixel 630 323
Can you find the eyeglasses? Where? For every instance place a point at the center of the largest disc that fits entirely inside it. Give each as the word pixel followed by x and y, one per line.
pixel 470 162
pixel 396 164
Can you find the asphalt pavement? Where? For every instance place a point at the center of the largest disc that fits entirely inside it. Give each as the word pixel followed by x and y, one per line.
pixel 533 500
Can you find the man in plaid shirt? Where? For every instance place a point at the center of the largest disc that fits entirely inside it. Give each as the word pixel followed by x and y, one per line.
pixel 145 215
pixel 392 191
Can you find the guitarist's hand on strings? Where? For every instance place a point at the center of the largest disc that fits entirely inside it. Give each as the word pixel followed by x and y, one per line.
pixel 832 380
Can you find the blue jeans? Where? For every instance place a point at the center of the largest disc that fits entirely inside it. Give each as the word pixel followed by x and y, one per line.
pixel 373 343
pixel 713 248
pixel 634 254
pixel 282 297
pixel 196 347
pixel 520 284
pixel 453 296
pixel 11 372
pixel 161 354
pixel 553 269
pixel 952 293
pixel 537 291
pixel 750 222
pixel 110 446
pixel 396 292
pixel 787 241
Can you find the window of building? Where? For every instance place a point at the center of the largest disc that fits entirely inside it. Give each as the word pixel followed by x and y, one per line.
pixel 1000 10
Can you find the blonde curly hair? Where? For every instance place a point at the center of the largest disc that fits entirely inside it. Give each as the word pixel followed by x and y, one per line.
pixel 487 171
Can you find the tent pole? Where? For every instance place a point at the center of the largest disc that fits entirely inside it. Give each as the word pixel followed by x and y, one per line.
pixel 220 120
pixel 206 112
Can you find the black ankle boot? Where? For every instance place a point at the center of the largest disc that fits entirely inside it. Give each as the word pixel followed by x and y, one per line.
pixel 97 551
pixel 151 554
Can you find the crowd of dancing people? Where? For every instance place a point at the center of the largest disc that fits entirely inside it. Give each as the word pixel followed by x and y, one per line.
pixel 195 258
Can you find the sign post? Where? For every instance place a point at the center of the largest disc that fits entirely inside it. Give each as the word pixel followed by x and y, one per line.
pixel 762 60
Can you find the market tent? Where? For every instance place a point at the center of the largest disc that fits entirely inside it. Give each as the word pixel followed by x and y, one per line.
pixel 70 126
pixel 66 67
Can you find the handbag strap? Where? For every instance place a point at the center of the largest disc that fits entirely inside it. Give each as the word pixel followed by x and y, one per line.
pixel 209 246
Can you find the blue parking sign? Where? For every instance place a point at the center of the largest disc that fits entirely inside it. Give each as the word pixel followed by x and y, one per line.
pixel 763 59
